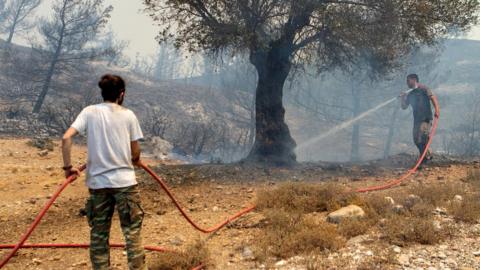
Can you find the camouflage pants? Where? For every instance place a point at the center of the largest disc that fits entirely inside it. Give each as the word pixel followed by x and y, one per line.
pixel 421 135
pixel 100 207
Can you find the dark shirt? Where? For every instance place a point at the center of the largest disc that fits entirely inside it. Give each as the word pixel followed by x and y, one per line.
pixel 419 99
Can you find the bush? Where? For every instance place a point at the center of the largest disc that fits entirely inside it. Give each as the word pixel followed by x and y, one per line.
pixel 193 256
pixel 288 234
pixel 438 194
pixel 42 143
pixel 473 178
pixel 468 210
pixel 401 230
pixel 355 227
pixel 304 198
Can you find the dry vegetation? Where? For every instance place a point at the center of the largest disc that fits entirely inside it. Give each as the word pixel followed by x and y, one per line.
pixel 296 217
pixel 42 143
pixel 193 256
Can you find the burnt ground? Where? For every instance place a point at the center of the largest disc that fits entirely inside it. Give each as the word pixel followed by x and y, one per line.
pixel 210 193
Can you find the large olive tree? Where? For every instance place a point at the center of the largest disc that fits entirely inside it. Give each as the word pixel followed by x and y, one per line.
pixel 281 34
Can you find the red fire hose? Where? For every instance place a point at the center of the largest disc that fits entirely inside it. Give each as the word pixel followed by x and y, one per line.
pixel 184 214
pixel 420 160
pixel 39 217
pixel 112 245
pixel 21 243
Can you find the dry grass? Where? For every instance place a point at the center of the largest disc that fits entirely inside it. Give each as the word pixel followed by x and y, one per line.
pixel 42 143
pixel 304 198
pixel 192 256
pixel 401 230
pixel 438 194
pixel 355 227
pixel 468 210
pixel 473 179
pixel 376 263
pixel 288 234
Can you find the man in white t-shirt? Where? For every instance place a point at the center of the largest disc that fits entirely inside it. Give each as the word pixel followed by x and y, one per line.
pixel 113 135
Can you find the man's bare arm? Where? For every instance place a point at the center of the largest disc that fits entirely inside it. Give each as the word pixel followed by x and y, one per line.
pixel 135 148
pixel 67 151
pixel 404 100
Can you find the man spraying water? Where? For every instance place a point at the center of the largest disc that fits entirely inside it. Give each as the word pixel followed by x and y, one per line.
pixel 419 98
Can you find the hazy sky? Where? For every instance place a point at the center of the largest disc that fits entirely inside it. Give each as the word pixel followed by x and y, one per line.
pixel 127 21
pixel 131 24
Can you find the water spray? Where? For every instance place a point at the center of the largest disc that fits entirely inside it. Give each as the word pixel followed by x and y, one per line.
pixel 348 123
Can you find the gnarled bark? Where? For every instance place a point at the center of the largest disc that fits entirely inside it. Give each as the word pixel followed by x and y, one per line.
pixel 273 142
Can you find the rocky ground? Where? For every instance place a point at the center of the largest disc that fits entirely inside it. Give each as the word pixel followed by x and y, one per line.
pixel 211 193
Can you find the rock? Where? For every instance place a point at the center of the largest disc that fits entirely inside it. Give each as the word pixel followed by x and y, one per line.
pixel 412 200
pixel 281 263
pixel 476 253
pixel 247 254
pixel 441 255
pixel 43 153
pixel 440 211
pixel 458 199
pixel 177 241
pixel 451 262
pixel 437 225
pixel 215 209
pixel 351 211
pixel 399 209
pixel 390 200
pixel 403 259
pixel 369 253
pixel 36 261
pixel 382 222
pixel 419 261
pixel 397 249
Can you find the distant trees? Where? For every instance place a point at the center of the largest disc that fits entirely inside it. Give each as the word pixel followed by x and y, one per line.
pixel 114 50
pixel 66 38
pixel 15 16
pixel 168 62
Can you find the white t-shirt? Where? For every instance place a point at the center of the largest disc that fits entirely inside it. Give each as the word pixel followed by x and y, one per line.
pixel 110 128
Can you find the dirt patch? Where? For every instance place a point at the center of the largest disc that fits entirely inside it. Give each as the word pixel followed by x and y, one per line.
pixel 211 193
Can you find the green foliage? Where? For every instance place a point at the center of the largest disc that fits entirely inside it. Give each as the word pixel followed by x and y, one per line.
pixel 328 33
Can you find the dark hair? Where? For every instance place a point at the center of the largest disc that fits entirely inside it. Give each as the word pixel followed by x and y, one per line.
pixel 413 76
pixel 112 86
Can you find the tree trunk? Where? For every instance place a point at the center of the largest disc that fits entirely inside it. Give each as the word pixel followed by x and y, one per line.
pixel 11 31
pixel 10 35
pixel 53 63
pixel 45 87
pixel 273 142
pixel 391 132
